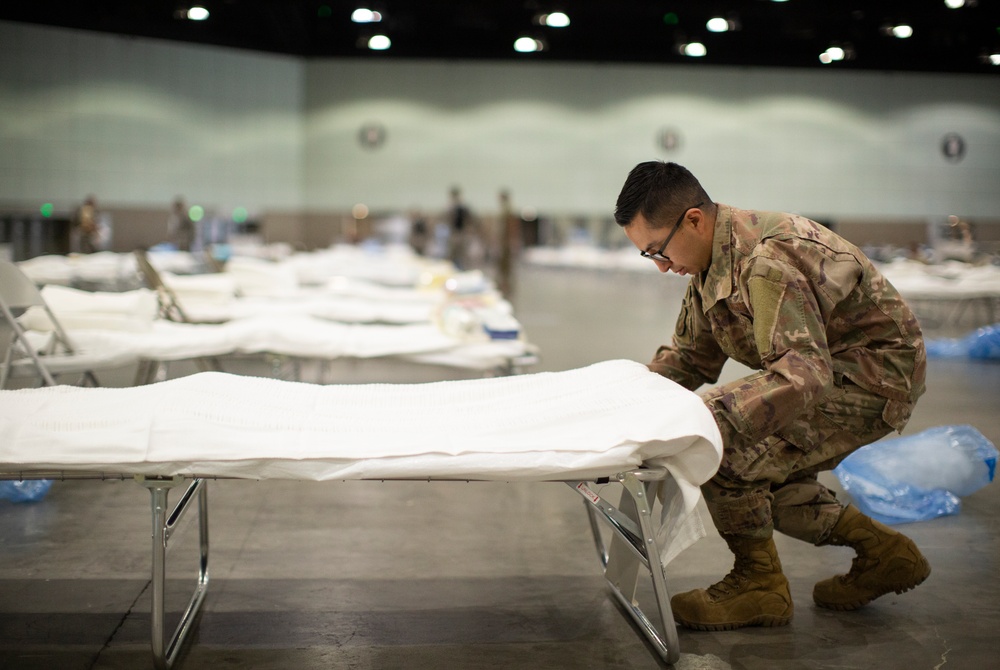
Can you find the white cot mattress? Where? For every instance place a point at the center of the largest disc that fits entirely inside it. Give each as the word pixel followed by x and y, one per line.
pixel 592 421
pixel 551 426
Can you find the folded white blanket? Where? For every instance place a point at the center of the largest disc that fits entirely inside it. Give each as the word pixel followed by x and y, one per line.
pixel 299 336
pixel 578 424
pixel 94 310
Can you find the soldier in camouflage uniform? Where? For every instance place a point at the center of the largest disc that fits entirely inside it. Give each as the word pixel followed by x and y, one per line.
pixel 841 363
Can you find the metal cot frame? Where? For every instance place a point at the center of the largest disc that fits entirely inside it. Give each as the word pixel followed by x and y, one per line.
pixel 632 546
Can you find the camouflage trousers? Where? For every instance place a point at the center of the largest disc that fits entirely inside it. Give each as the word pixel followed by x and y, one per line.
pixel 772 484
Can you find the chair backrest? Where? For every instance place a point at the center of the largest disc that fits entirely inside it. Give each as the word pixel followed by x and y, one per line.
pixel 7 336
pixel 170 306
pixel 17 294
pixel 17 291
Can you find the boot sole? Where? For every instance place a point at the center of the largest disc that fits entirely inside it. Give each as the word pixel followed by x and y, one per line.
pixel 764 621
pixel 858 604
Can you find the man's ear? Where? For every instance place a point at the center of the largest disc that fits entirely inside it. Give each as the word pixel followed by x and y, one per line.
pixel 703 222
pixel 696 217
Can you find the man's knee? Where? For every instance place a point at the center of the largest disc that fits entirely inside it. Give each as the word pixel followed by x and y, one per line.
pixel 738 510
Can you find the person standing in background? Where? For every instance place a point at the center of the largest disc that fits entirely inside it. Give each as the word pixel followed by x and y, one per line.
pixel 85 233
pixel 180 227
pixel 419 232
pixel 460 230
pixel 509 233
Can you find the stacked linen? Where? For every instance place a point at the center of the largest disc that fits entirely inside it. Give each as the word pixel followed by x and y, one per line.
pixel 390 266
pixel 259 277
pixel 206 295
pixel 952 280
pixel 130 311
pixel 345 309
pixel 104 268
pixel 137 334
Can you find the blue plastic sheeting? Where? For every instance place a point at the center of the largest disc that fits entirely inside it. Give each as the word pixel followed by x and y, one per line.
pixel 24 491
pixel 920 476
pixel 982 344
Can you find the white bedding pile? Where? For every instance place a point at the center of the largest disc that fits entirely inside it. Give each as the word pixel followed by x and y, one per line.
pixel 578 424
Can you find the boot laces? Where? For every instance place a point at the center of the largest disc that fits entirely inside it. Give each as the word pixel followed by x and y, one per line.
pixel 732 582
pixel 861 564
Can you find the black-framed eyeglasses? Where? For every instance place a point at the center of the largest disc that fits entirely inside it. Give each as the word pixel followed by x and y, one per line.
pixel 658 254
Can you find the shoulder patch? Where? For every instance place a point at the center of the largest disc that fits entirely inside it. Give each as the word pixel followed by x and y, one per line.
pixel 765 297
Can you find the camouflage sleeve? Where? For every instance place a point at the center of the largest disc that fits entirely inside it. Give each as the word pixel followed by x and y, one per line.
pixel 694 358
pixel 790 335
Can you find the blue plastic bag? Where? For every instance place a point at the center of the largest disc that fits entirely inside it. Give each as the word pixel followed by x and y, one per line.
pixel 981 344
pixel 28 490
pixel 920 476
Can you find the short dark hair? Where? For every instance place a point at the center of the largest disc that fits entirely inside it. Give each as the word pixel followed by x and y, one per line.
pixel 655 188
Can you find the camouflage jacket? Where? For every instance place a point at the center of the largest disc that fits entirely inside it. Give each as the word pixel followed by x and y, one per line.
pixel 789 297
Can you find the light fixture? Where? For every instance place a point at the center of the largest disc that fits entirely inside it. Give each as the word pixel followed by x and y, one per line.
pixel 379 42
pixel 954 4
pixel 902 31
pixel 720 24
pixel 553 20
pixel 837 53
pixel 831 55
pixel 526 45
pixel 717 24
pixel 363 15
pixel 197 13
pixel 992 58
pixel 693 49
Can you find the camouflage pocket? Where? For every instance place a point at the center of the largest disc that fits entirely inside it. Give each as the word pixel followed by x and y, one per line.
pixel 897 414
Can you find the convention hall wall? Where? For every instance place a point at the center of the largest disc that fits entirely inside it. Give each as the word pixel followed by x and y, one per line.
pixel 298 143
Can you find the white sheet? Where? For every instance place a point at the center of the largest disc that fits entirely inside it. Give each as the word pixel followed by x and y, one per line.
pixel 578 424
pixel 952 280
pixel 303 337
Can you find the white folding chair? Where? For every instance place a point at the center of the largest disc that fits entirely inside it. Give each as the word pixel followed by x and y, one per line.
pixel 21 356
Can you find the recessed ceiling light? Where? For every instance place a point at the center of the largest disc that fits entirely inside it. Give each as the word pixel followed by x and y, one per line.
pixel 379 42
pixel 954 4
pixel 717 25
pixel 528 45
pixel 902 31
pixel 555 20
pixel 197 13
pixel 832 54
pixel 362 15
pixel 694 49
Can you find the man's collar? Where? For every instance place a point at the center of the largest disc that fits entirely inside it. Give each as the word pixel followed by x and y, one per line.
pixel 717 282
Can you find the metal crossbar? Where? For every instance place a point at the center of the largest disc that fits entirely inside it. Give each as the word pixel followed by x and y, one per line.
pixel 633 544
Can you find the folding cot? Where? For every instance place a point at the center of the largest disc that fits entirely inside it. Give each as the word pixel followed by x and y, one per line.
pixel 112 329
pixel 611 422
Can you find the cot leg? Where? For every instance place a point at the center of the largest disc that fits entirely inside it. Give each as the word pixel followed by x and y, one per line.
pixel 164 524
pixel 633 544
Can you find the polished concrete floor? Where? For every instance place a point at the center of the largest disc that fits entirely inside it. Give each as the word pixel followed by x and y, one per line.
pixel 472 575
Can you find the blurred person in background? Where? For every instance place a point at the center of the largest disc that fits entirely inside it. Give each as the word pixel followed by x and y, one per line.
pixel 85 234
pixel 509 236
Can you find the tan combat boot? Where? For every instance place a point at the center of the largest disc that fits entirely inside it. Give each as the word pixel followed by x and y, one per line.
pixel 887 561
pixel 754 593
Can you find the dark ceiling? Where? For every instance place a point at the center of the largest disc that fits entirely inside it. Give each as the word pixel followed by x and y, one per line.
pixel 773 34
